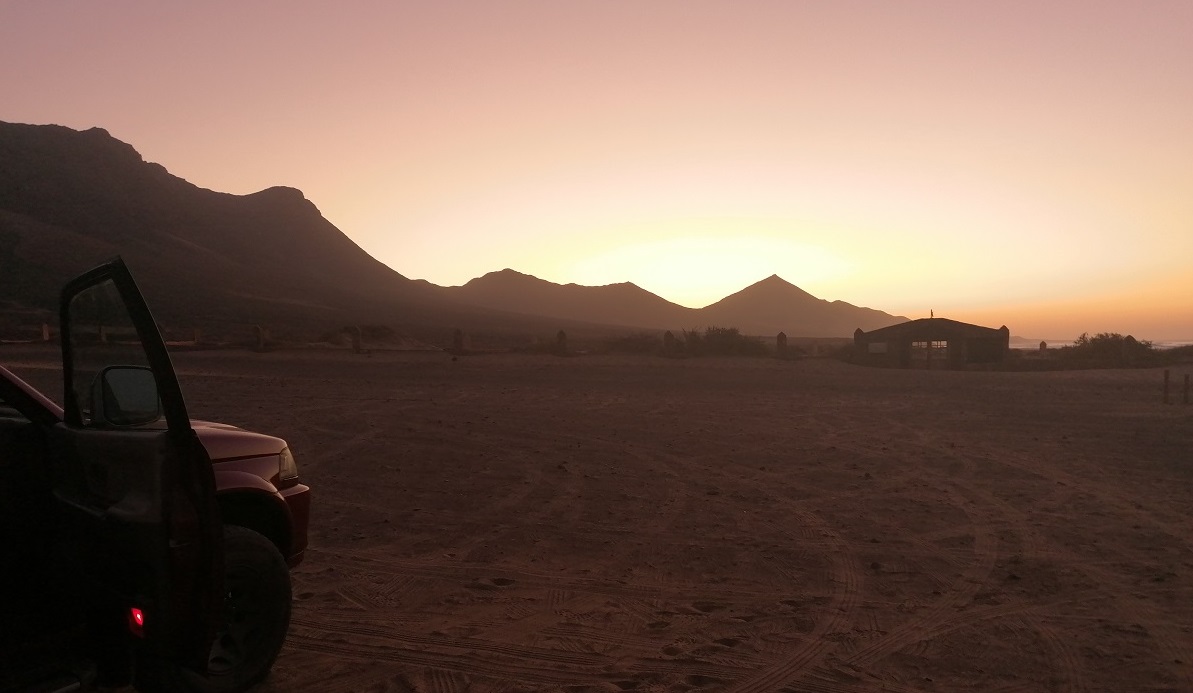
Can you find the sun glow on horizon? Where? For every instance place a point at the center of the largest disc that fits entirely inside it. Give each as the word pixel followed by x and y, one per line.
pixel 698 269
pixel 986 159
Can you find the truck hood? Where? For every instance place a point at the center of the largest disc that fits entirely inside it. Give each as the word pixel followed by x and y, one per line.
pixel 225 442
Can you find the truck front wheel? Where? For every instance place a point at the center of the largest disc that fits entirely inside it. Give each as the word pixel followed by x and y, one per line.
pixel 257 616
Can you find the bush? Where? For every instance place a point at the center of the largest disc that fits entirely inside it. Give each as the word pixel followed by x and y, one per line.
pixel 722 341
pixel 640 343
pixel 1181 354
pixel 1110 349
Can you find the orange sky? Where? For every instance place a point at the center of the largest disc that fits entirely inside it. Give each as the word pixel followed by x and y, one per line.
pixel 1023 163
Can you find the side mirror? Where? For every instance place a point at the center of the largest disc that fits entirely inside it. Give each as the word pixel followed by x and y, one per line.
pixel 125 396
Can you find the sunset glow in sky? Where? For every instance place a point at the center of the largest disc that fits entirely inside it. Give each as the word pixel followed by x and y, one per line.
pixel 1018 163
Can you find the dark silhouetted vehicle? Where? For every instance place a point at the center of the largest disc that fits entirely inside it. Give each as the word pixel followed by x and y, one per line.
pixel 136 545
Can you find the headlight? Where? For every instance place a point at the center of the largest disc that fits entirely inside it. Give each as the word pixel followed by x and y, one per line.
pixel 287 468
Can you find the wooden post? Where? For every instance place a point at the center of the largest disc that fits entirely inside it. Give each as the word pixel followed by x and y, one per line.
pixel 45 332
pixel 1165 386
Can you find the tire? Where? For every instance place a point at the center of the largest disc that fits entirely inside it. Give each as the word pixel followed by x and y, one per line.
pixel 257 611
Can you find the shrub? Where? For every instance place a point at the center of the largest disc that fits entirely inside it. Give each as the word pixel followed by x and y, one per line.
pixel 1110 349
pixel 1181 354
pixel 640 343
pixel 722 341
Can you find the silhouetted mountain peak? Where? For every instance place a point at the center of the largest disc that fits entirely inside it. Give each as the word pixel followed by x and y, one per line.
pixel 280 192
pixel 775 304
pixel 619 287
pixel 504 279
pixel 281 199
pixel 69 199
pixel 97 141
pixel 99 137
pixel 611 304
pixel 773 289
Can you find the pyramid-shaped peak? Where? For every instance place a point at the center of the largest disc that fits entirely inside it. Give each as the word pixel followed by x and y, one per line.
pixel 775 283
pixel 771 291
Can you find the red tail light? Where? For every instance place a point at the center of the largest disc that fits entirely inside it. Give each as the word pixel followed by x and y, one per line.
pixel 136 622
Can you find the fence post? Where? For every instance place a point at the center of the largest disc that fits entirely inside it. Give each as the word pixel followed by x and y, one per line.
pixel 1165 386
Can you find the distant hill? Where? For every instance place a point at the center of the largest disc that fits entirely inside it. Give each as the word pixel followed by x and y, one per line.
pixel 70 200
pixel 768 307
pixel 774 305
pixel 613 304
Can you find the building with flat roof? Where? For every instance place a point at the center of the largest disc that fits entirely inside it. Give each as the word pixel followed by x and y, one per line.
pixel 931 343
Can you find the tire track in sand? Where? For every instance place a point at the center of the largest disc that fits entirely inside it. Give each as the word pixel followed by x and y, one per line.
pixel 846 598
pixel 970 582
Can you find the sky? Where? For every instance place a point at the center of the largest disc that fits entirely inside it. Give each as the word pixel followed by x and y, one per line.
pixel 1018 163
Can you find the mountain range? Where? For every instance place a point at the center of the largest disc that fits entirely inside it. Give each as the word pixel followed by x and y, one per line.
pixel 70 199
pixel 767 307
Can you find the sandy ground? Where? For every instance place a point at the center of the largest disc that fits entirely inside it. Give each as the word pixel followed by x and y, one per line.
pixel 531 523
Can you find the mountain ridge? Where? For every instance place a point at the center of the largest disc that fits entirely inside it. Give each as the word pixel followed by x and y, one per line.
pixel 70 199
pixel 775 305
pixel 763 308
pixel 621 303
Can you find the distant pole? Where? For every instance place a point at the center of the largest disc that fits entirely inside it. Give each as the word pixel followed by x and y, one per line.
pixel 1165 386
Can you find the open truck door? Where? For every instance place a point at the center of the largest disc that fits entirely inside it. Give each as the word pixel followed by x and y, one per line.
pixel 133 482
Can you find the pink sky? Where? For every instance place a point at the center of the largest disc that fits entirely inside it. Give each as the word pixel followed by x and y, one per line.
pixel 1018 163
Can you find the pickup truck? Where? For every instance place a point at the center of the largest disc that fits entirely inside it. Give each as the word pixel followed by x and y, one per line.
pixel 137 546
